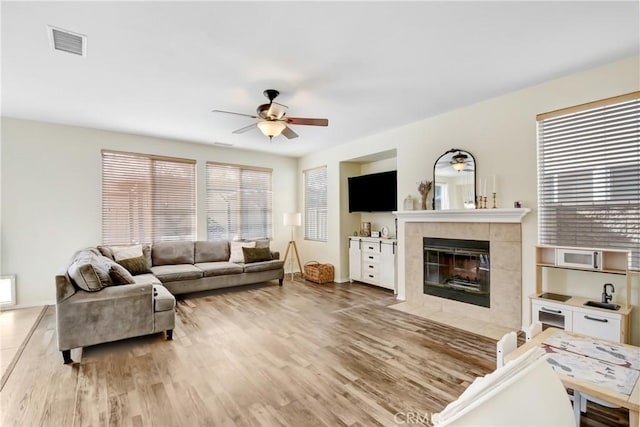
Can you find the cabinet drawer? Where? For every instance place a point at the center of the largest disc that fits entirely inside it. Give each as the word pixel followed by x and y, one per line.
pixel 596 324
pixel 368 267
pixel 370 247
pixel 370 276
pixel 370 257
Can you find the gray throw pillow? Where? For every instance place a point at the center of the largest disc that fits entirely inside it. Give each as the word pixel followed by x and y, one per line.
pixel 87 275
pixel 120 275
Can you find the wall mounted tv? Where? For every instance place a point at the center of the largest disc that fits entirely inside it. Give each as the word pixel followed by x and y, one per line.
pixel 376 192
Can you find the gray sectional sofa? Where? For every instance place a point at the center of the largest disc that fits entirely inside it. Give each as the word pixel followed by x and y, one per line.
pixel 97 300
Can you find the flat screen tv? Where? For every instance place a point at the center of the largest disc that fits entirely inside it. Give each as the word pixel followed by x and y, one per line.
pixel 376 192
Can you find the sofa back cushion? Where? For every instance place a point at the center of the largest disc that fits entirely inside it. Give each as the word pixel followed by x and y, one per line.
pixel 212 251
pixel 167 253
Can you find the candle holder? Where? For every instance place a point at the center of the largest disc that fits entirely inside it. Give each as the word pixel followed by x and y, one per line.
pixel 484 202
pixel 479 202
pixel 495 205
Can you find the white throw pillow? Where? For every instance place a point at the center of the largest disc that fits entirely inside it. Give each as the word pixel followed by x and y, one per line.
pixel 127 252
pixel 236 250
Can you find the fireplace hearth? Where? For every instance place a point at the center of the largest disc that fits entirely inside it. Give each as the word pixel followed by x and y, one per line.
pixel 458 270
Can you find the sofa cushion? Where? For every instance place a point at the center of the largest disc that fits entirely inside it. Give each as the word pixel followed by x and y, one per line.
pixel 87 272
pixel 170 253
pixel 137 265
pixel 254 267
pixel 236 250
pixel 171 273
pixel 261 243
pixel 162 299
pixel 219 268
pixel 256 254
pixel 146 279
pixel 211 251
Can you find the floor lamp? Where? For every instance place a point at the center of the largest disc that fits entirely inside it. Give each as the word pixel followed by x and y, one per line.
pixel 292 220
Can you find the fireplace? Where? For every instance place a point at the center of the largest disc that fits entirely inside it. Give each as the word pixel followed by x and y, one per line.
pixel 457 269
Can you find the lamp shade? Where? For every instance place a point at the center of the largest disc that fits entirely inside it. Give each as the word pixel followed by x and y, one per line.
pixel 459 166
pixel 271 128
pixel 293 219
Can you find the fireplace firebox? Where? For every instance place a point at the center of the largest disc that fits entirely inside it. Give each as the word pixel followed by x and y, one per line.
pixel 457 269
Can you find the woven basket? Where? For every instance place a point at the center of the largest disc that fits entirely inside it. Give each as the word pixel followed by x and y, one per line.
pixel 319 273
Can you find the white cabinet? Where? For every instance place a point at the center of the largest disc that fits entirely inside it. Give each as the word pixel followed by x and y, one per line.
pixel 373 260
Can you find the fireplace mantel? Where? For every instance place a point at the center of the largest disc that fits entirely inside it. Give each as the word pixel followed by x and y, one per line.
pixel 500 215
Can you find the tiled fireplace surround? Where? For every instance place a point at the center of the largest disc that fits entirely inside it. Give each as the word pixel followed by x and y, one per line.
pixel 505 245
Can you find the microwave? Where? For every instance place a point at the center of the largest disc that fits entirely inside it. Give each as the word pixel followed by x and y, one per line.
pixel 579 258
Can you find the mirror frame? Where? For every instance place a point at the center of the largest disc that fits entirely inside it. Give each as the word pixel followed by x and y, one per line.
pixel 475 168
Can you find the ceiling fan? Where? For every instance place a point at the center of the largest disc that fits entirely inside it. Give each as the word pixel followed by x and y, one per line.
pixel 272 120
pixel 459 162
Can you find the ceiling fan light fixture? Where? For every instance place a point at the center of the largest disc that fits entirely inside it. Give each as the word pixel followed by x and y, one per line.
pixel 459 166
pixel 271 128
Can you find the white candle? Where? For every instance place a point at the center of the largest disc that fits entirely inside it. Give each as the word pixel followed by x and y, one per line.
pixel 494 183
pixel 484 188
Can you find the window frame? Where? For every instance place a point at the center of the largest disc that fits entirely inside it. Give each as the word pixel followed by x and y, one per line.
pixel 591 199
pixel 240 229
pixel 147 223
pixel 316 218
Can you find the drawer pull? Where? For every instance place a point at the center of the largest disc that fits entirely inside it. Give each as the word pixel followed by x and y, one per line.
pixel 595 318
pixel 371 266
pixel 548 310
pixel 371 275
pixel 370 257
pixel 371 248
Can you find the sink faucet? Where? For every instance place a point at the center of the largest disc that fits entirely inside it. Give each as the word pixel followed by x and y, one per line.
pixel 605 296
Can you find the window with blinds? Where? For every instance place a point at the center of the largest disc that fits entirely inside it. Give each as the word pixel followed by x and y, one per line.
pixel 147 198
pixel 238 202
pixel 589 176
pixel 315 204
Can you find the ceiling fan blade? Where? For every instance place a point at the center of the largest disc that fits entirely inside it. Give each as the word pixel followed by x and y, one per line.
pixel 231 112
pixel 246 128
pixel 309 122
pixel 290 134
pixel 277 111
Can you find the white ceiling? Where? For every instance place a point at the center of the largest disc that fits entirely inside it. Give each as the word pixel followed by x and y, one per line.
pixel 159 68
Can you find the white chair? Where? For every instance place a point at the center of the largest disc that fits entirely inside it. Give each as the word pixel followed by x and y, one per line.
pixel 534 329
pixel 505 345
pixel 524 392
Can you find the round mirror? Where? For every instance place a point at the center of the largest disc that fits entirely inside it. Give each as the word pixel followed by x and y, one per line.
pixel 454 180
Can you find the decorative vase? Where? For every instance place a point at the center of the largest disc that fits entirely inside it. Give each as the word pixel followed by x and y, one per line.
pixel 408 203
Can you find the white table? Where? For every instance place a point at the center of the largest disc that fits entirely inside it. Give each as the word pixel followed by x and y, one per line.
pixel 604 369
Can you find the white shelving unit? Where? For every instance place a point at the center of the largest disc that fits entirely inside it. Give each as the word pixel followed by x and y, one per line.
pixel 572 314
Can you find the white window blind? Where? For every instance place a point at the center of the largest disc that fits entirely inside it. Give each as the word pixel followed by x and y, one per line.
pixel 147 198
pixel 315 204
pixel 238 202
pixel 589 176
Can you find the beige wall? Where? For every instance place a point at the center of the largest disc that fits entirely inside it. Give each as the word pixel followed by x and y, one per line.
pixel 51 198
pixel 500 133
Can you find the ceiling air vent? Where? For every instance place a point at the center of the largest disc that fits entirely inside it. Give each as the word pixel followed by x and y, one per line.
pixel 67 41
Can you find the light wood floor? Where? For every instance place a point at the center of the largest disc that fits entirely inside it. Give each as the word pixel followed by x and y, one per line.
pixel 15 328
pixel 297 355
